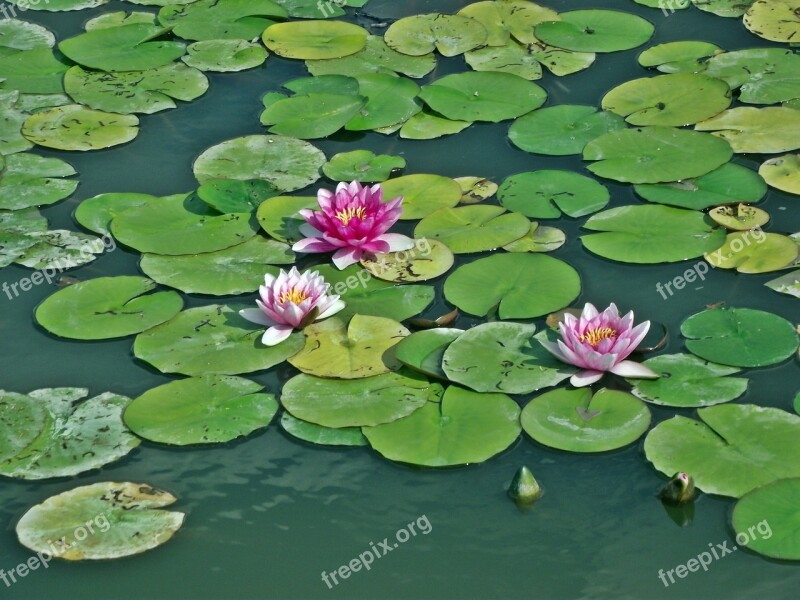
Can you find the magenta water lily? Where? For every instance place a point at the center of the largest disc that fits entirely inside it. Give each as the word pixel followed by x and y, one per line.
pixel 287 302
pixel 352 221
pixel 598 343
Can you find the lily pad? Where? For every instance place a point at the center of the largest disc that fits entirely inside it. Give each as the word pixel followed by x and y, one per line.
pixel 545 194
pixel 224 56
pixel 16 34
pixel 476 189
pixel 428 259
pixel 362 165
pixel 762 75
pixel 58 5
pixel 533 285
pixel 595 31
pixel 40 249
pixel 314 40
pixel 651 234
pixel 313 9
pixel 465 427
pixel 656 154
pixel 423 350
pixel 508 18
pixel 126 519
pixel 750 253
pixel 97 212
pixel 287 163
pixel 310 116
pixel 74 127
pixel 514 58
pixel 428 126
pixel 786 284
pixel 236 270
pixel 231 196
pixel 391 100
pixel 422 194
pixel 540 238
pixel 503 357
pixel 117 18
pixel 211 339
pixel 35 71
pixel 688 381
pixel 476 228
pixel 376 57
pixel 107 307
pixel 358 402
pixel 740 337
pixel 356 350
pixel 32 180
pixel 279 216
pixel 211 409
pixel 782 173
pixel 774 20
pixel 679 57
pixel 576 421
pixel 205 20
pixel 489 96
pixel 732 450
pixel 772 505
pixel 562 130
pixel 757 130
pixel 322 436
pixel 740 217
pixel 724 8
pixel 451 35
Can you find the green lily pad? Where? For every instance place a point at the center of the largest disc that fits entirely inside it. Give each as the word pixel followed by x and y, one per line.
pixel 595 31
pixel 502 357
pixel 287 163
pixel 562 130
pixel 428 126
pixel 279 216
pixel 125 48
pixel 58 5
pixel 772 505
pixel 325 84
pixel 74 436
pixel 508 18
pixel 97 212
pixel 740 337
pixel 35 71
pixel 22 35
pixel 107 307
pixel 428 259
pixel 734 449
pixel 40 249
pixel 211 339
pixel 12 116
pixel 724 8
pixel 725 185
pixel 117 520
pixel 782 173
pixel 476 189
pixel 313 9
pixel 391 100
pixel 687 381
pixel 24 419
pixel 672 100
pixel 577 421
pixel 656 154
pixel 422 194
pixel 221 19
pixel 545 194
pixel 362 165
pixel 376 57
pixel 117 18
pixel 135 91
pixel 476 228
pixel 314 40
pixel 749 253
pixel 540 238
pixel 211 409
pixel 762 75
pixel 451 35
pixel 31 180
pixel 150 227
pixel 423 350
pixel 310 116
pixel 489 96
pixel 757 130
pixel 322 436
pixel 513 57
pixel 236 270
pixel 464 428
pixel 679 57
pixel 225 56
pixel 561 62
pixel 533 285
pixel 232 196
pixel 774 20
pixel 739 217
pixel 74 127
pixel 651 234
pixel 786 284
pixel 357 402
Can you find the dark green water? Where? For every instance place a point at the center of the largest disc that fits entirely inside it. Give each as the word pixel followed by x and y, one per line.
pixel 266 516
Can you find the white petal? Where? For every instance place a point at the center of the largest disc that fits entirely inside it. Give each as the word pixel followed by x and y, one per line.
pixel 628 368
pixel 275 335
pixel 255 315
pixel 332 310
pixel 584 378
pixel 345 257
pixel 308 231
pixel 397 241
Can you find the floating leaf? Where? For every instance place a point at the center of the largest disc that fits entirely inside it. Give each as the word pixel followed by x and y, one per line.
pixel 545 194
pixel 679 57
pixel 280 218
pixel 231 196
pixel 211 409
pixel 313 9
pixel 362 165
pixel 687 381
pixel 783 173
pixel 476 189
pixel 595 31
pixel 774 20
pixel 540 238
pixel 509 18
pixel 577 421
pixel 57 249
pixel 724 8
pixel 533 285
pixel 428 126
pixel 735 448
pixel 422 194
pixel 502 357
pixel 74 127
pixel 513 58
pixel 428 259
pixel 477 228
pixel 754 253
pixel 310 116
pixel 758 130
pixel 11 119
pixel 323 436
pixel 376 57
pixel 763 75
pixel 740 217
pixel 464 428
pixel 391 100
pixel 96 213
pixel 224 56
pixel 740 337
pixel 21 35
pixel 651 234
pixel 772 505
pixel 130 512
pixel 107 307
pixel 562 130
pixel 786 284
pixel 58 5
pixel 314 40
pixel 358 402
pixel 221 19
pixel 115 19
pixel 423 350
pixel 211 339
pixel 31 180
pixel 35 71
pixel 451 35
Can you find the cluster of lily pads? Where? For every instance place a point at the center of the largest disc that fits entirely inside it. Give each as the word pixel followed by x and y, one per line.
pixel 438 396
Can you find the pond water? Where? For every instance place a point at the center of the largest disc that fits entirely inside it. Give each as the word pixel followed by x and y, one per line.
pixel 267 515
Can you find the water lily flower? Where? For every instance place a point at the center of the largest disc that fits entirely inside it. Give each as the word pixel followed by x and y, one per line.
pixel 352 221
pixel 600 342
pixel 291 301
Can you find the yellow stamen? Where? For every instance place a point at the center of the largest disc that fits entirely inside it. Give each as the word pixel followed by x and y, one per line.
pixel 294 296
pixel 351 213
pixel 595 336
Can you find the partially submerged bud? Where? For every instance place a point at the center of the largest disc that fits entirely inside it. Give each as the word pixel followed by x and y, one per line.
pixel 524 488
pixel 678 490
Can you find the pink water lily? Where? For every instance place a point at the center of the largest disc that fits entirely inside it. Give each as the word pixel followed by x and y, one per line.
pixel 600 342
pixel 287 302
pixel 351 222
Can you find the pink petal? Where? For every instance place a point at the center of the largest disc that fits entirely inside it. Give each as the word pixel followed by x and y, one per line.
pixel 397 242
pixel 275 335
pixel 628 368
pixel 331 310
pixel 313 245
pixel 345 257
pixel 254 315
